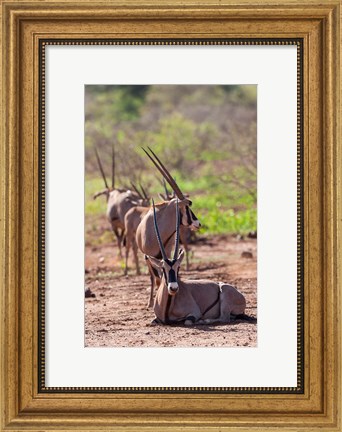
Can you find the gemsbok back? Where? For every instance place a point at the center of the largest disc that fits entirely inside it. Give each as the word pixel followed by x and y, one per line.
pixel 192 301
pixel 166 215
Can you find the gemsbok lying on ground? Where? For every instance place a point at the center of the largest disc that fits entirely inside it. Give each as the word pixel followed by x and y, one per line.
pixel 191 301
pixel 119 201
pixel 166 216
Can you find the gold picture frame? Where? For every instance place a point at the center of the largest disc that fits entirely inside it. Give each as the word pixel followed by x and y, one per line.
pixel 26 25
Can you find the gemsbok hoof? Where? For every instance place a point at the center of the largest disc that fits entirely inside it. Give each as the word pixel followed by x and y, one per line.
pixel 188 322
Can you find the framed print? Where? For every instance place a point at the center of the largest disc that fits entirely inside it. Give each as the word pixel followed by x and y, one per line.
pixel 170 236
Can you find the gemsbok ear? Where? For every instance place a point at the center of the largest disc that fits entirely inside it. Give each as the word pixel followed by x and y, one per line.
pixel 156 263
pixel 181 256
pixel 184 202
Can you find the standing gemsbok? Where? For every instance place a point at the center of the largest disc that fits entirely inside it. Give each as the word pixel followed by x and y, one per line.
pixel 119 201
pixel 131 221
pixel 166 215
pixel 191 301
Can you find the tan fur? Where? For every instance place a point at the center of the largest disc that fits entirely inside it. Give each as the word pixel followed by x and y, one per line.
pixel 194 297
pixel 145 234
pixel 119 202
pixel 184 230
pixel 166 219
pixel 131 222
pixel 183 235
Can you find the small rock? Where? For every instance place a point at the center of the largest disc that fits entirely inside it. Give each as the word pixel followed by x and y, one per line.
pixel 246 254
pixel 252 235
pixel 88 293
pixel 147 333
pixel 101 259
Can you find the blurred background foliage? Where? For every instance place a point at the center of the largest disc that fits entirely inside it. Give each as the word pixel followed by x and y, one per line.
pixel 205 134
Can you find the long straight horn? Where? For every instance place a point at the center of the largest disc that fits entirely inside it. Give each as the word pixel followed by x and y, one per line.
pixel 161 246
pixel 168 177
pixel 143 191
pixel 175 255
pixel 101 168
pixel 136 190
pixel 113 166
pixel 161 168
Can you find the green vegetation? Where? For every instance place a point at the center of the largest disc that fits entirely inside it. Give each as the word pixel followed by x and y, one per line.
pixel 206 135
pixel 215 211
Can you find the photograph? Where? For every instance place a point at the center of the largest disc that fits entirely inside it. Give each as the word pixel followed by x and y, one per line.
pixel 170 215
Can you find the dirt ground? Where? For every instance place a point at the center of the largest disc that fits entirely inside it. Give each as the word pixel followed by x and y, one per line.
pixel 118 316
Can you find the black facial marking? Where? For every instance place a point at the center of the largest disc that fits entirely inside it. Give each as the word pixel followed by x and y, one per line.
pixel 188 216
pixel 172 276
pixel 193 216
pixel 170 262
